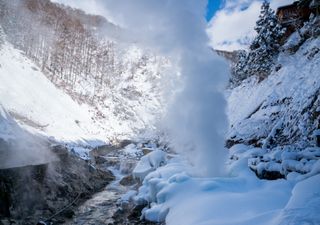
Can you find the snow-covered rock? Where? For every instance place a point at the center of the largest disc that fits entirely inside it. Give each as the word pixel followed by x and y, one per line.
pixel 149 163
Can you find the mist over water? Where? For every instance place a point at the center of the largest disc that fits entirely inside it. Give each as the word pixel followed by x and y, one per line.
pixel 196 119
pixel 20 148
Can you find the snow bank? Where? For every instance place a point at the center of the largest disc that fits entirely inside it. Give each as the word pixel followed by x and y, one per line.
pixel 148 163
pixel 177 197
pixel 304 205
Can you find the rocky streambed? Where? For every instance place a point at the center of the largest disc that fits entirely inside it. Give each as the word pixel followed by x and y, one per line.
pixel 113 204
pixel 71 190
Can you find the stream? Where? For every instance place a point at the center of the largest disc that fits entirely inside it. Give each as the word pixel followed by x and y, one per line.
pixel 107 206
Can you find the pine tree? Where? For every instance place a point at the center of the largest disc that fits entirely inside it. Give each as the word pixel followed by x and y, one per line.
pixel 239 71
pixel 263 49
pixel 266 44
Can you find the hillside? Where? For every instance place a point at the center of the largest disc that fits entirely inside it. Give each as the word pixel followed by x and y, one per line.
pixel 79 54
pixel 281 113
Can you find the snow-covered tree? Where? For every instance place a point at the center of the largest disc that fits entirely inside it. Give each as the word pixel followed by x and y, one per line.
pixel 239 71
pixel 265 45
pixel 263 49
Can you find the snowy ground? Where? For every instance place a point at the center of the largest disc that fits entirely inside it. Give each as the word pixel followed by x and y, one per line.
pixel 178 197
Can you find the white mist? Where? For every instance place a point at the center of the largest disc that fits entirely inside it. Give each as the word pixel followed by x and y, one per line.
pixel 196 118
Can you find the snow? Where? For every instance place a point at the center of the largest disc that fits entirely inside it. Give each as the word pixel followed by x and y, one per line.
pixel 131 149
pixel 38 105
pixel 257 109
pixel 8 127
pixel 30 103
pixel 304 204
pixel 176 196
pixel 18 147
pixel 148 163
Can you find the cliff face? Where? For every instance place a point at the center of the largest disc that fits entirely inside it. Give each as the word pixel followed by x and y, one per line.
pixel 232 57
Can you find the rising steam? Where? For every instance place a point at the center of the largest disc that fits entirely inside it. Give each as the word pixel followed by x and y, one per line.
pixel 196 117
pixel 18 147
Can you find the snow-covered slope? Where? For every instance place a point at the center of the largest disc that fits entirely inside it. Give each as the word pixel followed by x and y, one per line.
pixel 117 79
pixel 283 108
pixel 37 104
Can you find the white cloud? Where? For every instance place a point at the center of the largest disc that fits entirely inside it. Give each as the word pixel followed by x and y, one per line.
pixel 233 26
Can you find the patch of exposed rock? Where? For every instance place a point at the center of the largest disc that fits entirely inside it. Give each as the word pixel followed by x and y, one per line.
pixel 48 192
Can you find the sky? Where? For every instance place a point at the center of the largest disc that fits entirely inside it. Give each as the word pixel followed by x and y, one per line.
pixel 231 22
pixel 212 7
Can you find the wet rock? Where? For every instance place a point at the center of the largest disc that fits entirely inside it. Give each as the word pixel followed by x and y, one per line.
pixel 124 143
pixel 100 160
pixel 35 192
pixel 128 180
pixel 269 175
pixel 68 213
pixel 146 151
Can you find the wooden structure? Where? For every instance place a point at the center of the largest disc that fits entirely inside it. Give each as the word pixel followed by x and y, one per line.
pixel 294 15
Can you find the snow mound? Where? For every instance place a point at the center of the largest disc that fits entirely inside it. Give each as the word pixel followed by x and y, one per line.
pixel 148 163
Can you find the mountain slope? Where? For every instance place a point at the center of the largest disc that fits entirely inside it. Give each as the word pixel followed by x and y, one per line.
pixel 37 104
pixel 120 82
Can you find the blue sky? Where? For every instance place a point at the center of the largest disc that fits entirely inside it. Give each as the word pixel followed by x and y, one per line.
pixel 213 6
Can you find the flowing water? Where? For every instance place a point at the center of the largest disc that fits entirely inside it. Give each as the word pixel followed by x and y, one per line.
pixel 106 207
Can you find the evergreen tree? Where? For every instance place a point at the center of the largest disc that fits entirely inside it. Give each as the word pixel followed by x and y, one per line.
pixel 263 49
pixel 239 71
pixel 266 44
